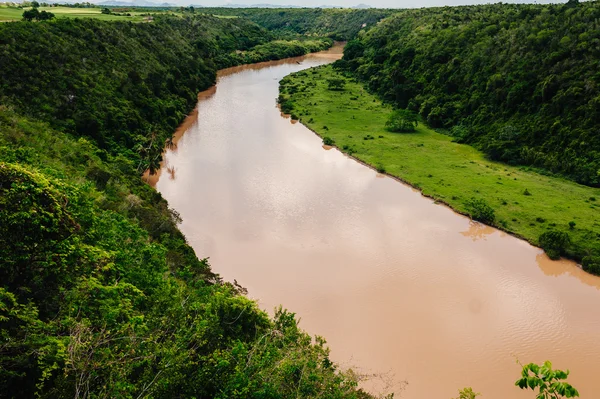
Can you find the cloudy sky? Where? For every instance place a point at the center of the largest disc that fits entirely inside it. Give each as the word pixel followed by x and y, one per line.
pixel 351 3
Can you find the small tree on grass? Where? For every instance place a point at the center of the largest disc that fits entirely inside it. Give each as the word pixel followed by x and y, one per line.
pixel 480 210
pixel 555 243
pixel 402 121
pixel 328 140
pixel 336 84
pixel 30 15
pixel 547 381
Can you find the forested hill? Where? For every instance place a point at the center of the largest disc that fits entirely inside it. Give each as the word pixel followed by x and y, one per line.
pixel 339 24
pixel 521 82
pixel 125 85
pixel 100 295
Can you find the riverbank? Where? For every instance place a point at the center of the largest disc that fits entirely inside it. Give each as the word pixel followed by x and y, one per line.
pixel 334 52
pixel 525 203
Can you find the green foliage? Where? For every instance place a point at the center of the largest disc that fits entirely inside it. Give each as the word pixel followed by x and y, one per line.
pixel 520 79
pixel 328 140
pixel 336 84
pixel 467 393
pixel 555 243
pixel 402 121
pixel 591 264
pixel 480 210
pixel 549 382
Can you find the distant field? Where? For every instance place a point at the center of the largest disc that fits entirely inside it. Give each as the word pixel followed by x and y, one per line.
pixel 15 14
pixel 525 203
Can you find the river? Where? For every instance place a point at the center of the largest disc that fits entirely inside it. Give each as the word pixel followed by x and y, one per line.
pixel 400 286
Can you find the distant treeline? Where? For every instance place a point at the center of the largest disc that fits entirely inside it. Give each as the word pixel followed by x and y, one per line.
pixel 338 24
pixel 519 81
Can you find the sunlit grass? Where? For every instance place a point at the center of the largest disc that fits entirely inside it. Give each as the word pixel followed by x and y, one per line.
pixel 16 14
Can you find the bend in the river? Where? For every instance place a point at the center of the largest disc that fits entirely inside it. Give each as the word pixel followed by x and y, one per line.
pixel 397 284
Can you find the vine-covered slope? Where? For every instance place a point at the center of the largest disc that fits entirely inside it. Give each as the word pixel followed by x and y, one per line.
pixel 518 81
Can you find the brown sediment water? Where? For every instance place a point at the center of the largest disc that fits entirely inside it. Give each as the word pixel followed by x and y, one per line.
pixel 399 286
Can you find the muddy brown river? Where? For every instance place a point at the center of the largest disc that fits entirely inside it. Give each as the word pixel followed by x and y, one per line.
pixel 401 287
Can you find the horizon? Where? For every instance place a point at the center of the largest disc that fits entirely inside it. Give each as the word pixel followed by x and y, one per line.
pixel 383 4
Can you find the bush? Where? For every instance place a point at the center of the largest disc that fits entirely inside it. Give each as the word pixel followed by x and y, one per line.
pixel 480 210
pixel 328 140
pixel 336 84
pixel 554 243
pixel 591 264
pixel 402 121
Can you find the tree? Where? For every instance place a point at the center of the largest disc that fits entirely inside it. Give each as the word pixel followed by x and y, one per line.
pixel 336 84
pixel 45 16
pixel 548 381
pixel 480 210
pixel 30 15
pixel 105 10
pixel 554 243
pixel 402 121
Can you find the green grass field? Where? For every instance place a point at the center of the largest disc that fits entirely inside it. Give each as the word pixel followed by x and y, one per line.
pixel 449 172
pixel 16 14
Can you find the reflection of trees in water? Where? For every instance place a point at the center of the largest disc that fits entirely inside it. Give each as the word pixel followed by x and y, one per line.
pixel 556 268
pixel 478 231
pixel 171 172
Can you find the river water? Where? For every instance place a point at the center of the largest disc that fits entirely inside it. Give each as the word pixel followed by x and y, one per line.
pixel 401 287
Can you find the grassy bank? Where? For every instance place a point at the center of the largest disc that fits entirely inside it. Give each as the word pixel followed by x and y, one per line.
pixel 525 203
pixel 16 13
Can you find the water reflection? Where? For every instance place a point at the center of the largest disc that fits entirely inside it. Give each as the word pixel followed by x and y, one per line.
pixel 562 267
pixel 478 231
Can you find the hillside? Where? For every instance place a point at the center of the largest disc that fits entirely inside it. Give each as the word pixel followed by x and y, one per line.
pixel 339 24
pixel 101 296
pixel 519 82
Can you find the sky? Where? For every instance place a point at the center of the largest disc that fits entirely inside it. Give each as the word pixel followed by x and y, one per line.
pixel 351 3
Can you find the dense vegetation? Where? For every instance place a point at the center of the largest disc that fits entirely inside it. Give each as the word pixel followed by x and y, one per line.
pixel 126 86
pixel 339 24
pixel 561 216
pixel 519 81
pixel 100 294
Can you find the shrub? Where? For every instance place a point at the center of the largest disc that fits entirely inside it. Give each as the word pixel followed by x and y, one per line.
pixel 591 264
pixel 526 192
pixel 480 210
pixel 328 140
pixel 336 84
pixel 380 168
pixel 554 243
pixel 572 224
pixel 402 121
